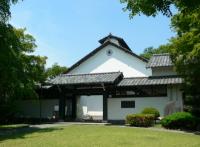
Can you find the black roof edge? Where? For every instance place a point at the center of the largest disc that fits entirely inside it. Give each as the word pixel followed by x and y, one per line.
pixel 118 79
pixel 81 74
pixel 121 41
pixel 161 54
pixel 99 48
pixel 167 76
pixel 159 66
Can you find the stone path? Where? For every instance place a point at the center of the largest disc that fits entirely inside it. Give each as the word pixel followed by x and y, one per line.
pixel 63 124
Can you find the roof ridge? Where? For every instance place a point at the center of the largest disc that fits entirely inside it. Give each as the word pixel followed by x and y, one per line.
pixel 135 77
pixel 161 54
pixel 90 73
pixel 120 40
pixel 168 76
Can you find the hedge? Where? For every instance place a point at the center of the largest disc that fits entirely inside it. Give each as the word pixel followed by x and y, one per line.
pixel 180 120
pixel 140 120
pixel 151 110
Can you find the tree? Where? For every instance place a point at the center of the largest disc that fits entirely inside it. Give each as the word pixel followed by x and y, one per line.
pixel 5 13
pixel 55 70
pixel 153 7
pixel 148 52
pixel 20 70
pixel 186 54
pixel 185 47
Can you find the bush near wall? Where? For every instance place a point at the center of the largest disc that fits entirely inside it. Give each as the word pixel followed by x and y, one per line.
pixel 140 120
pixel 151 110
pixel 180 120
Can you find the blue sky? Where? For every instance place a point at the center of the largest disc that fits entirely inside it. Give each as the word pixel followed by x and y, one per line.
pixel 66 30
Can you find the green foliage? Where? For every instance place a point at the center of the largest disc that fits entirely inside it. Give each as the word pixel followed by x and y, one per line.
pixel 186 55
pixel 151 110
pixel 148 52
pixel 55 70
pixel 179 120
pixel 5 9
pixel 19 69
pixel 152 7
pixel 140 120
pixel 7 111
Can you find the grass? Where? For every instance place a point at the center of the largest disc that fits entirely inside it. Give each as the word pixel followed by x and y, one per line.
pixel 158 125
pixel 13 126
pixel 92 136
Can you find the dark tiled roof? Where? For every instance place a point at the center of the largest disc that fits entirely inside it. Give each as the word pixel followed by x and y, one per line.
pixel 93 78
pixel 142 81
pixel 121 41
pixel 160 60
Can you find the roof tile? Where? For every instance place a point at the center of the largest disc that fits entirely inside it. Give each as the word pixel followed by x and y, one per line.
pixel 142 81
pixel 93 78
pixel 160 60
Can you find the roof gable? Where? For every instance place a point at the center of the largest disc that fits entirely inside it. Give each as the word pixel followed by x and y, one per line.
pixel 101 47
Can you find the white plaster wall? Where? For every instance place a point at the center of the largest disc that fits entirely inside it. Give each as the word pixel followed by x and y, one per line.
pixel 114 41
pixel 163 71
pixel 119 61
pixel 31 108
pixel 175 94
pixel 90 105
pixel 115 112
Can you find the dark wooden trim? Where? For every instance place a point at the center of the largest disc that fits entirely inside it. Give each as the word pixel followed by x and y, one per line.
pixel 105 106
pixel 62 104
pixel 133 96
pixel 74 106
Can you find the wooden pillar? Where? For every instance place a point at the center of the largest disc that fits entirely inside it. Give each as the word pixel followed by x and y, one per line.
pixel 74 101
pixel 105 106
pixel 62 104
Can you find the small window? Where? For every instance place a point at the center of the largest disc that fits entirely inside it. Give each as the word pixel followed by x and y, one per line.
pixel 109 52
pixel 127 104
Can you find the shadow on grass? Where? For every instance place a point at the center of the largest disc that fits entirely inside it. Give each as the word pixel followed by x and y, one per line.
pixel 20 132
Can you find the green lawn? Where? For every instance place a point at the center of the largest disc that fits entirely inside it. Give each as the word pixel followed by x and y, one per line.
pixel 91 136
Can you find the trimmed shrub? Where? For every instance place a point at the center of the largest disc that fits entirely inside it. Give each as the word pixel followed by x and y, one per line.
pixel 151 110
pixel 140 120
pixel 180 120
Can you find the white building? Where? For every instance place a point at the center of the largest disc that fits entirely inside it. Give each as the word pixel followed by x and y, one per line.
pixel 109 83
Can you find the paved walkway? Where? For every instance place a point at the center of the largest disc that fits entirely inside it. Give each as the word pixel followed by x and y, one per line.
pixel 63 124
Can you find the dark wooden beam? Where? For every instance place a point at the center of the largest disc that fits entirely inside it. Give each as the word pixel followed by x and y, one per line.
pixel 105 106
pixel 62 104
pixel 74 106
